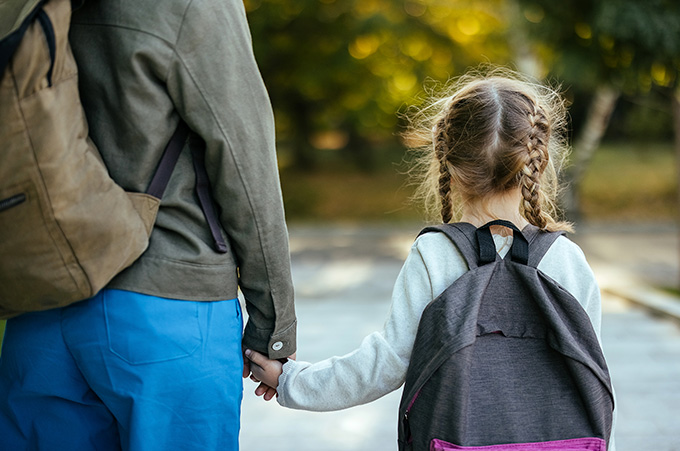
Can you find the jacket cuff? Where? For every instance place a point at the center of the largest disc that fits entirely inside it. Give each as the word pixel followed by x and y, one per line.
pixel 277 345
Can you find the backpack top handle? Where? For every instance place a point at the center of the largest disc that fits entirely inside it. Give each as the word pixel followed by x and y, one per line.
pixel 487 248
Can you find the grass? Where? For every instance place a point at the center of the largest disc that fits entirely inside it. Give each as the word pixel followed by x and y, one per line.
pixel 624 182
pixel 631 182
pixel 332 195
pixel 674 292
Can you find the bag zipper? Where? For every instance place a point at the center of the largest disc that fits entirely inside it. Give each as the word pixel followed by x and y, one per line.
pixel 13 201
pixel 406 419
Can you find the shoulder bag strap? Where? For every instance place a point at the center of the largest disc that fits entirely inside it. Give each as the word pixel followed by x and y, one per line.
pixel 167 164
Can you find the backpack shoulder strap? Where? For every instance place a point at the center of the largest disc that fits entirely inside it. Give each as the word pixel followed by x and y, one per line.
pixel 206 200
pixel 167 164
pixel 168 161
pixel 539 243
pixel 462 234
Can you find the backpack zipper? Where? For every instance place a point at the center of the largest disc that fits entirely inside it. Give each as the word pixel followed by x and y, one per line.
pixel 406 419
pixel 13 201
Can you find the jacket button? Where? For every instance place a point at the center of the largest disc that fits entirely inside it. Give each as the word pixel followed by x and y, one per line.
pixel 277 346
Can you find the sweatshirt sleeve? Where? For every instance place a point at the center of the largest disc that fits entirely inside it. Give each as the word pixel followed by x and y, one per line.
pixel 217 88
pixel 379 365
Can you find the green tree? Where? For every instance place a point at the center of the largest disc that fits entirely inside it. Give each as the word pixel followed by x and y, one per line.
pixel 339 70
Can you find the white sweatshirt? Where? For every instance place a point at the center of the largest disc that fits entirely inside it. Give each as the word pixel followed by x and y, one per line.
pixel 379 365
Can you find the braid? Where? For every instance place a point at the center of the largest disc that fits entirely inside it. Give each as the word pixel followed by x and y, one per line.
pixel 441 140
pixel 536 160
pixel 490 135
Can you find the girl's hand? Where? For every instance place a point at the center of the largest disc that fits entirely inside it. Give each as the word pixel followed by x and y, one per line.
pixel 264 370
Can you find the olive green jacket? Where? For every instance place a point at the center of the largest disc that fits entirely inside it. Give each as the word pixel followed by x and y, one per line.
pixel 143 64
pixel 13 13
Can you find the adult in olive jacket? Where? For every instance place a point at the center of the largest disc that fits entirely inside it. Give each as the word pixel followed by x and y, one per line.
pixel 154 361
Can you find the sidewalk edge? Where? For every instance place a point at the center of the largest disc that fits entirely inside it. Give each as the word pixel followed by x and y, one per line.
pixel 654 301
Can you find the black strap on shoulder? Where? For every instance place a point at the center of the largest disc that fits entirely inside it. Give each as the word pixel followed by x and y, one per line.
pixel 168 161
pixel 166 166
pixel 477 245
pixel 205 198
pixel 478 248
pixel 519 251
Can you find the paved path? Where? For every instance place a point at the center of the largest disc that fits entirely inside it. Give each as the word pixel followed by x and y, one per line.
pixel 344 277
pixel 646 253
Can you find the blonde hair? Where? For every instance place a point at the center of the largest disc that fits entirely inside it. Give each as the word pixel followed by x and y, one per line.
pixel 492 133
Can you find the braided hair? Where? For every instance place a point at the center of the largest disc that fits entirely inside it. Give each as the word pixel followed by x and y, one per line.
pixel 495 133
pixel 536 160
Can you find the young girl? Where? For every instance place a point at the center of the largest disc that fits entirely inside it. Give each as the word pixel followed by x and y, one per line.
pixel 492 150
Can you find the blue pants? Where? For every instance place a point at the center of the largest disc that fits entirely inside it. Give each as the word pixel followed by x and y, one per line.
pixel 123 371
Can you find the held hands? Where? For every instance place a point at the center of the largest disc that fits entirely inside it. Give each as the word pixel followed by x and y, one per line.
pixel 263 370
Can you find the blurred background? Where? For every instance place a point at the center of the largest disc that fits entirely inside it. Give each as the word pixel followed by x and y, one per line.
pixel 341 73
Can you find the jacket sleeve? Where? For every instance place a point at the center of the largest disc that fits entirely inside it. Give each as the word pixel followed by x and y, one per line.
pixel 217 88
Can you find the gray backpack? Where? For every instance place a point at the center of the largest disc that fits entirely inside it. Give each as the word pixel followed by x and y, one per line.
pixel 505 358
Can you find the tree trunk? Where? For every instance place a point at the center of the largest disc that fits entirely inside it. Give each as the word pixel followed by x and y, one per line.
pixel 597 120
pixel 304 155
pixel 675 99
pixel 360 152
pixel 525 57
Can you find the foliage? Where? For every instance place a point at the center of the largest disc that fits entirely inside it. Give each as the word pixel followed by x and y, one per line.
pixel 642 117
pixel 603 49
pixel 631 182
pixel 339 70
pixel 331 195
pixel 626 43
